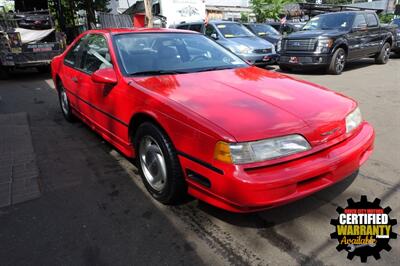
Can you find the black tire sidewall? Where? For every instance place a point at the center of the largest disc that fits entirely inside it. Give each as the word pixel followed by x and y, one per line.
pixel 175 185
pixel 69 117
pixel 381 56
pixel 332 65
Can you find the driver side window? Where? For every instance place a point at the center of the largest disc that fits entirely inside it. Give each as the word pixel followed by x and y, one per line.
pixel 95 54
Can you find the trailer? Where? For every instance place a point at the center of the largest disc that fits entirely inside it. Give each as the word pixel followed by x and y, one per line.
pixel 28 39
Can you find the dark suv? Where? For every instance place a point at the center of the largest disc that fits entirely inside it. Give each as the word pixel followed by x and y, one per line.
pixel 396 48
pixel 333 39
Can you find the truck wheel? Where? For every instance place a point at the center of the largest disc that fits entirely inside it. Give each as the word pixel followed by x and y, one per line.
pixel 43 69
pixel 159 165
pixel 285 68
pixel 4 73
pixel 383 56
pixel 338 62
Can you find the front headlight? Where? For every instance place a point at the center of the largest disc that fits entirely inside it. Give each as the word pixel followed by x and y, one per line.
pixel 241 49
pixel 261 150
pixel 279 46
pixel 353 120
pixel 324 45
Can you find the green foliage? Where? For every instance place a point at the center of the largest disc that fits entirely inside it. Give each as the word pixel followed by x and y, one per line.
pixel 244 17
pixel 386 18
pixel 268 9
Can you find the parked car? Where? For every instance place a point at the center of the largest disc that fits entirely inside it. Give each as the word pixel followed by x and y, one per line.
pixel 331 40
pixel 396 48
pixel 267 32
pixel 237 38
pixel 202 121
pixel 286 28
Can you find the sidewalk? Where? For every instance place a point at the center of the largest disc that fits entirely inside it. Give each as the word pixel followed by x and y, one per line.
pixel 18 170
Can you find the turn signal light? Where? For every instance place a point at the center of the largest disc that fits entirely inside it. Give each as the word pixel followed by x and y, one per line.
pixel 222 152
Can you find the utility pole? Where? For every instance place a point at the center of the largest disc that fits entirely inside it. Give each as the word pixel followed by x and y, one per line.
pixel 148 6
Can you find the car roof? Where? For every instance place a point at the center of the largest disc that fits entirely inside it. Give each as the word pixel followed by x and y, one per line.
pixel 138 30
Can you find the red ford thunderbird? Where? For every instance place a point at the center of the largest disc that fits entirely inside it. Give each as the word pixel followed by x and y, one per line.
pixel 201 121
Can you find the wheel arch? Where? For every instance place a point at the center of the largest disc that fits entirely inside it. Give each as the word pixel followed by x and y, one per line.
pixel 342 45
pixel 139 118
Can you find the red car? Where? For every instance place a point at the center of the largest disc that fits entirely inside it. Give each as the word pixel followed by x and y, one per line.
pixel 202 121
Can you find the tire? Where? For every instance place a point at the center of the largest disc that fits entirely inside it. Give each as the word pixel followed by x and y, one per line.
pixel 43 69
pixel 383 56
pixel 158 164
pixel 4 73
pixel 285 68
pixel 64 103
pixel 338 62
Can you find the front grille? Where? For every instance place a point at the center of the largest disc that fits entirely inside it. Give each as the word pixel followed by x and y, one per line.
pixel 300 45
pixel 263 51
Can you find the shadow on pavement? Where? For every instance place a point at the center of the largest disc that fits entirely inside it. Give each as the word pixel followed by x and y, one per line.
pixel 281 214
pixel 90 212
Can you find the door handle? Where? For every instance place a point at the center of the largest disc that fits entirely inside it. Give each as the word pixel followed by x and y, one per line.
pixel 74 79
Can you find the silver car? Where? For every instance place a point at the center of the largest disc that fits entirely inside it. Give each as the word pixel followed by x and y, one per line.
pixel 237 38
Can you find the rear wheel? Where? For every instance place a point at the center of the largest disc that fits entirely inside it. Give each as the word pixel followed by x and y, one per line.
pixel 159 165
pixel 383 56
pixel 285 68
pixel 4 73
pixel 338 62
pixel 43 69
pixel 64 103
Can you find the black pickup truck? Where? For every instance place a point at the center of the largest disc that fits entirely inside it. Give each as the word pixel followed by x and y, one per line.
pixel 331 40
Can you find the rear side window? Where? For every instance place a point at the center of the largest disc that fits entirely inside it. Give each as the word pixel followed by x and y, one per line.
pixel 359 20
pixel 196 27
pixel 183 27
pixel 371 20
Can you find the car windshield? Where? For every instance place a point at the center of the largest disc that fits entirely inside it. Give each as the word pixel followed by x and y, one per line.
pixel 142 54
pixel 233 30
pixel 396 21
pixel 263 29
pixel 329 22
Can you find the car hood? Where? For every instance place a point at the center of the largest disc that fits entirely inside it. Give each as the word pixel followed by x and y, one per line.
pixel 251 42
pixel 252 103
pixel 305 34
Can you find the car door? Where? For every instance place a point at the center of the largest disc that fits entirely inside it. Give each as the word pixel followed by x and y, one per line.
pixel 99 99
pixel 374 37
pixel 70 73
pixel 357 38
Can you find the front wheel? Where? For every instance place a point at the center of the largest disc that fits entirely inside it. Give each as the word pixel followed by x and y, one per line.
pixel 64 103
pixel 158 164
pixel 338 62
pixel 383 56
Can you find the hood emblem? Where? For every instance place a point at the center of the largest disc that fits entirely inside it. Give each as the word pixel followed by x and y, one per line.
pixel 331 132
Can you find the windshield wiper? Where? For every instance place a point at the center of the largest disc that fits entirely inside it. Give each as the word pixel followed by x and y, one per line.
pixel 214 68
pixel 157 72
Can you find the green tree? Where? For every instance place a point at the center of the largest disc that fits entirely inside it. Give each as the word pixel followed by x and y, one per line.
pixel 244 17
pixel 268 9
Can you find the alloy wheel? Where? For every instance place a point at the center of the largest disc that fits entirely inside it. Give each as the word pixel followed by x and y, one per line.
pixel 153 163
pixel 64 101
pixel 340 61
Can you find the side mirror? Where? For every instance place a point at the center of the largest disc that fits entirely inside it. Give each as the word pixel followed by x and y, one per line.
pixel 105 76
pixel 214 36
pixel 360 27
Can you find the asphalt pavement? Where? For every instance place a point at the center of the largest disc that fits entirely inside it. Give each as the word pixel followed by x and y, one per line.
pixel 94 210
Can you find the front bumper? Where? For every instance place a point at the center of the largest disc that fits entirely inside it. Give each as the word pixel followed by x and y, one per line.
pixel 260 59
pixel 241 189
pixel 304 59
